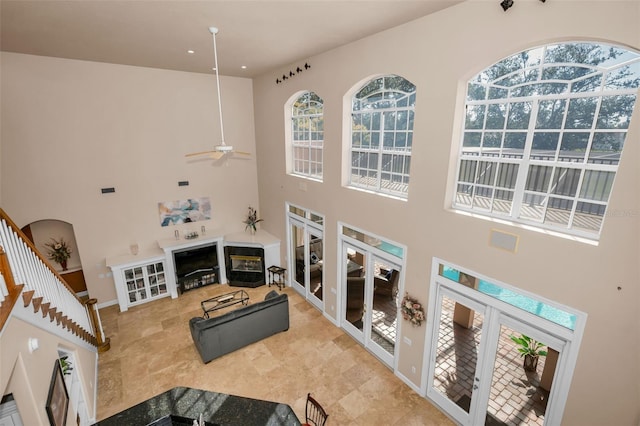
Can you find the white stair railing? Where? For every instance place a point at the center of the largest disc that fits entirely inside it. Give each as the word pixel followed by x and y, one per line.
pixel 43 287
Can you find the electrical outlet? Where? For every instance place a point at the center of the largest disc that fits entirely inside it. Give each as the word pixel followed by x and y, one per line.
pixel 413 369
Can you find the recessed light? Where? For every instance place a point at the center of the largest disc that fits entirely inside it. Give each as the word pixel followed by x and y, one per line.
pixel 191 51
pixel 244 67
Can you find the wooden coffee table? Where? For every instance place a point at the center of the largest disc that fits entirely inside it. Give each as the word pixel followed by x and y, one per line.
pixel 223 301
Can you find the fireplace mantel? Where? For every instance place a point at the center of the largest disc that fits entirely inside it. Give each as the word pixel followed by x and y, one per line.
pixel 261 238
pixel 165 251
pixel 171 245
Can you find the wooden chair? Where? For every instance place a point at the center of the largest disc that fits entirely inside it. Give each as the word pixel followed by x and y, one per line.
pixel 314 413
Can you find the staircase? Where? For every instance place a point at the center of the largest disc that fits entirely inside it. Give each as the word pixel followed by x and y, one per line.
pixel 27 278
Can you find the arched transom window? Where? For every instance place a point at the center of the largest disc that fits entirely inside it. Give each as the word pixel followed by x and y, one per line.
pixel 307 130
pixel 543 134
pixel 382 135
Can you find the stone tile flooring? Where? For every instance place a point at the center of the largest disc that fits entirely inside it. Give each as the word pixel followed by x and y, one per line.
pixel 152 351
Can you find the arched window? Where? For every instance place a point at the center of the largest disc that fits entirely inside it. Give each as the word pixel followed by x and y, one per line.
pixel 543 134
pixel 307 135
pixel 382 135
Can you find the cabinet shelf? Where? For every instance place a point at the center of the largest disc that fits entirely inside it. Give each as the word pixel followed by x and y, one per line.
pixel 141 282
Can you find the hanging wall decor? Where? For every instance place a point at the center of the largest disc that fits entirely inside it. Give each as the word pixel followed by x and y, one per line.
pixel 184 211
pixel 412 310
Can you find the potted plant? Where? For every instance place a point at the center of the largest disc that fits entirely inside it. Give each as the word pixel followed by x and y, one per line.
pixel 252 220
pixel 59 252
pixel 530 350
pixel 66 365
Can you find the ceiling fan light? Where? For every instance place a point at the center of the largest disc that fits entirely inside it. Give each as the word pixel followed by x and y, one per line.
pixel 223 148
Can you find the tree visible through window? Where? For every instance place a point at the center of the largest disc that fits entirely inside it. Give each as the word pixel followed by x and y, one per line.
pixel 307 125
pixel 543 134
pixel 382 135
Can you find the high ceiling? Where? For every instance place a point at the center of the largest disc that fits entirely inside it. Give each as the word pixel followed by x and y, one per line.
pixel 263 35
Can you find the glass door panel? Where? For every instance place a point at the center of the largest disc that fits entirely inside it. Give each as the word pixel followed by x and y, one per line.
pixel 384 310
pixel 519 393
pixel 316 264
pixel 457 339
pixel 353 280
pixel 297 256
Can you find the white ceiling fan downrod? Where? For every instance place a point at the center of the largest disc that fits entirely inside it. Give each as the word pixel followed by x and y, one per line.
pixel 223 147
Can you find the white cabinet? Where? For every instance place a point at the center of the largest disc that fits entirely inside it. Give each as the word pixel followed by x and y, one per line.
pixel 139 280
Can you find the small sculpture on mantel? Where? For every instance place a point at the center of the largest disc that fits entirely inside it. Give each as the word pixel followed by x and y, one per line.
pixel 252 220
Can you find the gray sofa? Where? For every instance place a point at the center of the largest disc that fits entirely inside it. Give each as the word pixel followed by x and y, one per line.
pixel 221 335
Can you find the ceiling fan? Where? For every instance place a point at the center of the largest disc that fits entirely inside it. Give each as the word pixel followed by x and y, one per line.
pixel 221 150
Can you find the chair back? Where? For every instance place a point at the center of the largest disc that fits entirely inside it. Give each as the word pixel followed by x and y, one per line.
pixel 314 413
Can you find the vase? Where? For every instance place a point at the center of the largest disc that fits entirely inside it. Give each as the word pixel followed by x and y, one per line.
pixel 63 263
pixel 530 363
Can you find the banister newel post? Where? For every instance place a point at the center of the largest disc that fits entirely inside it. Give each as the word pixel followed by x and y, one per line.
pixel 103 343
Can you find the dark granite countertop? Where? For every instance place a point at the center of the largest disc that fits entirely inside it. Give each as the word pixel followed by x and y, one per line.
pixel 216 408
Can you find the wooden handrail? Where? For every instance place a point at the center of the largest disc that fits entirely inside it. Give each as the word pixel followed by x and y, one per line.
pixel 13 289
pixel 28 242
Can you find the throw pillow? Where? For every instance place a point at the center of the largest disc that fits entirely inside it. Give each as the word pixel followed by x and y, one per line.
pixel 314 258
pixel 271 295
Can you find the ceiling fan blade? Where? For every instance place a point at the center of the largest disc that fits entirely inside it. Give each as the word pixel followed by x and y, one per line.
pixel 242 153
pixel 216 155
pixel 195 154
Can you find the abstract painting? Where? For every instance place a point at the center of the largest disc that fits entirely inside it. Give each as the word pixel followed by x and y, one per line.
pixel 184 211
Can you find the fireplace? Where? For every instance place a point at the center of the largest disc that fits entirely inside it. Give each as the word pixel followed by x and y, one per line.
pixel 245 266
pixel 196 267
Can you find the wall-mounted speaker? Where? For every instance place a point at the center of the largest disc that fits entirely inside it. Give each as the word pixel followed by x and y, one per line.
pixel 503 240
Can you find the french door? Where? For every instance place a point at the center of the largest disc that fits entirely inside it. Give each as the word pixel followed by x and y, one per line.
pixel 368 315
pixel 475 372
pixel 306 260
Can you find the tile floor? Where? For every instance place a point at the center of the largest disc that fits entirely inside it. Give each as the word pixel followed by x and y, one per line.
pixel 152 351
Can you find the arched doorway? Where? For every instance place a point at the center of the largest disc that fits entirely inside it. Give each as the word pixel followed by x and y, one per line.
pixel 49 231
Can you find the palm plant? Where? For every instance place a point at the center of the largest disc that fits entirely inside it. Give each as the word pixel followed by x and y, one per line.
pixel 530 349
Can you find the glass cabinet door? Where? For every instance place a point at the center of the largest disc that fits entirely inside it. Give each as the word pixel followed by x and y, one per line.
pixel 157 283
pixel 145 282
pixel 135 284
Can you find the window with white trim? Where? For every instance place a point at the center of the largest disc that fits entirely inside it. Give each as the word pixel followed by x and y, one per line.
pixel 382 135
pixel 543 134
pixel 307 131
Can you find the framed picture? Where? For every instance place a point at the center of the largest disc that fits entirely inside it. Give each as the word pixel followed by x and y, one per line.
pixel 58 399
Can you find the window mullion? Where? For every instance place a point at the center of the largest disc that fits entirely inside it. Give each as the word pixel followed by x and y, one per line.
pixel 523 170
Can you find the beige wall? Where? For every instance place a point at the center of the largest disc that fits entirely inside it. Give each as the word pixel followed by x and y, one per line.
pixel 70 128
pixel 28 375
pixel 438 54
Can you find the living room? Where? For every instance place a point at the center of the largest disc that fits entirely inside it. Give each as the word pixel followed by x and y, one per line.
pixel 71 127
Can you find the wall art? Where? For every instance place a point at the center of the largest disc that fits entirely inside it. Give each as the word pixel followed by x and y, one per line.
pixel 184 211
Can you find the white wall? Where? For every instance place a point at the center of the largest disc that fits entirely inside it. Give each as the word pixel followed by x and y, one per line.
pixel 439 53
pixel 70 128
